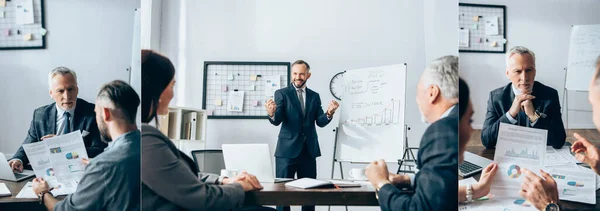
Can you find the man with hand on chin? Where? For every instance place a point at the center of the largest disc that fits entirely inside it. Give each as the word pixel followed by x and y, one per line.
pixel 524 102
pixel 298 108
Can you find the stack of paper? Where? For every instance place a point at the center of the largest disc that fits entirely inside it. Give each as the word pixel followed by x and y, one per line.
pixel 27 191
pixel 4 190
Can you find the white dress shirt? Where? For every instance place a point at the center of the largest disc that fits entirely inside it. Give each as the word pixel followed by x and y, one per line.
pixel 60 119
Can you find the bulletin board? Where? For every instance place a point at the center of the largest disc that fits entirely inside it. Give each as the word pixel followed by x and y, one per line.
pixel 224 79
pixel 16 36
pixel 477 22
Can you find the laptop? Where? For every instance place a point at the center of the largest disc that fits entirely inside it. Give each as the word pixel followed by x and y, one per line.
pixel 472 164
pixel 6 173
pixel 252 158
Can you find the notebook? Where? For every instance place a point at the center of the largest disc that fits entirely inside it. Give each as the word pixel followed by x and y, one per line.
pixel 306 183
pixel 4 190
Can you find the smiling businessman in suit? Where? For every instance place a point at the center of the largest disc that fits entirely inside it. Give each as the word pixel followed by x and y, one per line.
pixel 65 115
pixel 298 108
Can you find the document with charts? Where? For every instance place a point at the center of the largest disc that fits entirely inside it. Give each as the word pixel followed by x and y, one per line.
pixel 517 148
pixel 58 160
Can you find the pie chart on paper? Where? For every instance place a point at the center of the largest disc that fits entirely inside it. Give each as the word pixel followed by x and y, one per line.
pixel 514 171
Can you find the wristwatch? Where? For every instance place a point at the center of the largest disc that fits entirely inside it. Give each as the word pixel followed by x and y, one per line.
pixel 552 207
pixel 469 193
pixel 535 117
pixel 41 196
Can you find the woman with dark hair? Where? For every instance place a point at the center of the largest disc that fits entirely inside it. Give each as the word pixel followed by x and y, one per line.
pixel 169 177
pixel 465 113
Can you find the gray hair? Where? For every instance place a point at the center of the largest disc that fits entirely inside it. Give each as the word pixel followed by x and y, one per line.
pixel 519 50
pixel 443 72
pixel 60 71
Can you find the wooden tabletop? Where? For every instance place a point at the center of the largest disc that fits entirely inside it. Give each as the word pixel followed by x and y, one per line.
pixel 568 205
pixel 13 203
pixel 279 194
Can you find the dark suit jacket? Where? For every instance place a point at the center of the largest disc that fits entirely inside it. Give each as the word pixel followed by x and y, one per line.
pixel 546 102
pixel 435 185
pixel 169 180
pixel 296 127
pixel 44 123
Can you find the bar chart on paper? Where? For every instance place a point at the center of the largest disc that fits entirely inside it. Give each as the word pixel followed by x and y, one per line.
pixel 371 124
pixel 390 115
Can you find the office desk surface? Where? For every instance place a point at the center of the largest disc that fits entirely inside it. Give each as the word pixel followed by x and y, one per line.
pixel 279 194
pixel 13 203
pixel 489 153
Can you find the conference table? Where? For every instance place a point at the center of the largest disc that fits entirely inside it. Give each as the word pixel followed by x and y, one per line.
pixel 14 203
pixel 279 194
pixel 567 205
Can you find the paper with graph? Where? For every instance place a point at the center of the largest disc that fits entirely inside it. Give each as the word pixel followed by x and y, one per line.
pixel 58 160
pixel 517 148
pixel 578 186
pixel 372 114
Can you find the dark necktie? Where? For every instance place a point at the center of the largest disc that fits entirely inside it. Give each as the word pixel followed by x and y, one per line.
pixel 66 123
pixel 301 100
pixel 522 119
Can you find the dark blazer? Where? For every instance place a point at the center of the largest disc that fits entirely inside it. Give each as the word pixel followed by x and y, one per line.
pixel 546 102
pixel 44 123
pixel 435 185
pixel 170 180
pixel 296 127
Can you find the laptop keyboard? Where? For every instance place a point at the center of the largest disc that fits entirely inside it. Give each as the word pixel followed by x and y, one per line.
pixel 468 167
pixel 19 176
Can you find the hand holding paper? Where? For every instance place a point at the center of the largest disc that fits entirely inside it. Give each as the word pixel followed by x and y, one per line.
pixel 482 188
pixel 47 137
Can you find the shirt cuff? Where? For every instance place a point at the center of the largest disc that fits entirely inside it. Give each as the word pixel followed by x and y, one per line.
pixel 511 119
pixel 533 123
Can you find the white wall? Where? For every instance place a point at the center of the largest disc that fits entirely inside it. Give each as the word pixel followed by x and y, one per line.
pixel 545 28
pixel 440 22
pixel 331 36
pixel 94 38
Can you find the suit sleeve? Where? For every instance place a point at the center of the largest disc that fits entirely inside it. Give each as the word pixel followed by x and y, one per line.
pixel 279 110
pixel 436 187
pixel 31 138
pixel 169 177
pixel 491 125
pixel 93 144
pixel 553 122
pixel 209 178
pixel 321 118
